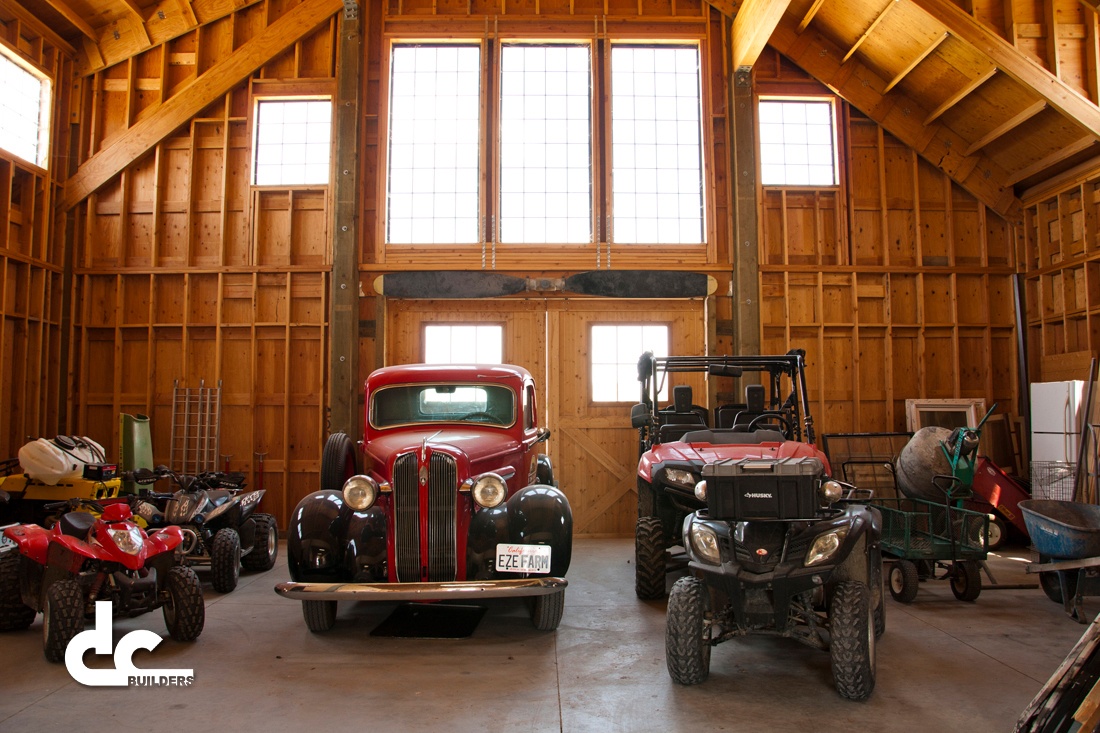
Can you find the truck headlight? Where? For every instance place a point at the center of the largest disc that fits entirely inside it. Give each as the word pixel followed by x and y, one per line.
pixel 704 542
pixel 825 547
pixel 831 491
pixel 489 490
pixel 701 490
pixel 680 477
pixel 360 492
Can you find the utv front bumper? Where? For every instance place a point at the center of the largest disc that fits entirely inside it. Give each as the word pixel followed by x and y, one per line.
pixel 420 591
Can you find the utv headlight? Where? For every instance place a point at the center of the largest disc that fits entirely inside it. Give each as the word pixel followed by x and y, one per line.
pixel 831 491
pixel 680 477
pixel 360 492
pixel 701 490
pixel 825 547
pixel 128 540
pixel 489 490
pixel 704 542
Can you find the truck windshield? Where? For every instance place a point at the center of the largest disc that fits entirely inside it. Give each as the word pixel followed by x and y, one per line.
pixel 433 403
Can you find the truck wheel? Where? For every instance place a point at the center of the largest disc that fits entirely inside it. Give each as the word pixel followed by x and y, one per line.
pixel 687 633
pixel 878 593
pixel 547 609
pixel 649 559
pixel 852 645
pixel 185 611
pixel 225 560
pixel 266 549
pixel 319 615
pixel 63 618
pixel 337 462
pixel 14 614
pixel 903 581
pixel 966 580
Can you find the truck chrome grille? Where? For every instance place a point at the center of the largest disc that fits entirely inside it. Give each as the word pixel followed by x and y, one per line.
pixel 442 552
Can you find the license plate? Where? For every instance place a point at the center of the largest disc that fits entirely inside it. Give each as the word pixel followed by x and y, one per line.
pixel 523 559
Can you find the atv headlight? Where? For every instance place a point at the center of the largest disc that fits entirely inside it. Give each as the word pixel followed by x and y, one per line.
pixel 360 492
pixel 824 548
pixel 680 477
pixel 128 540
pixel 489 490
pixel 831 491
pixel 704 542
pixel 701 490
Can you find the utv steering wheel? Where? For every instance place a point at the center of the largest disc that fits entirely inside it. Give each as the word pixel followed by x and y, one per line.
pixel 771 419
pixel 490 417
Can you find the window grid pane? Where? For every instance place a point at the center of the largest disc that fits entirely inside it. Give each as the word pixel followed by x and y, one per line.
pixel 24 107
pixel 545 144
pixel 463 344
pixel 293 142
pixel 435 111
pixel 656 150
pixel 615 350
pixel 797 143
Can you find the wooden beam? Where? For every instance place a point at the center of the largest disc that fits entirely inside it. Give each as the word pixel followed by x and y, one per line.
pixel 1015 64
pixel 727 8
pixel 809 16
pixel 752 27
pixel 916 62
pixel 1007 126
pixel 70 15
pixel 1091 4
pixel 959 96
pixel 867 33
pixel 139 139
pixel 1053 159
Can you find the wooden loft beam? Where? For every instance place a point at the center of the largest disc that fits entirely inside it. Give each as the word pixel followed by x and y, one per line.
pixel 1005 127
pixel 1053 159
pixel 70 15
pixel 1009 60
pixel 959 96
pixel 809 16
pixel 218 80
pixel 752 27
pixel 729 8
pixel 867 33
pixel 1093 4
pixel 916 62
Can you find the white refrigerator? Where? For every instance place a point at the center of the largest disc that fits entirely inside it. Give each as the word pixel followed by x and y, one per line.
pixel 1056 412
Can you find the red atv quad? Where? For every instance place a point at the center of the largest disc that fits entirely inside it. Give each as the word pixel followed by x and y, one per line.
pixel 94 553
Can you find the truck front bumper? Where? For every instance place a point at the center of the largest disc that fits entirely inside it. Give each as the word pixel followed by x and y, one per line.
pixel 420 591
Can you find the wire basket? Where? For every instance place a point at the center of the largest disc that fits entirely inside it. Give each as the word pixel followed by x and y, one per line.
pixel 1053 480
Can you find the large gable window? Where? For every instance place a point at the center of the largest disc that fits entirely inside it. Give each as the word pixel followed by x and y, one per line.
pixel 24 109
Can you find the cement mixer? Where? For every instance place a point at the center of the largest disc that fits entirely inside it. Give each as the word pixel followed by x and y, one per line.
pixel 939 452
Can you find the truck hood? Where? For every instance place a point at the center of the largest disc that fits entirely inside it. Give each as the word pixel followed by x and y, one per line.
pixel 703 453
pixel 479 446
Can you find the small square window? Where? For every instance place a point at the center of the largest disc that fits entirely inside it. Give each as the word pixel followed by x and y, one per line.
pixel 463 344
pixel 615 350
pixel 797 142
pixel 293 142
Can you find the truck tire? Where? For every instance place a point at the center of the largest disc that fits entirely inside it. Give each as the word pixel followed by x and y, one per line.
pixel 185 610
pixel 903 581
pixel 14 614
pixel 319 615
pixel 546 611
pixel 649 559
pixel 225 560
pixel 852 644
pixel 266 549
pixel 966 580
pixel 687 635
pixel 63 618
pixel 337 462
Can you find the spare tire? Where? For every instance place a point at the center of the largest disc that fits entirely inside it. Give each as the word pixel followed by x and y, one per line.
pixel 920 461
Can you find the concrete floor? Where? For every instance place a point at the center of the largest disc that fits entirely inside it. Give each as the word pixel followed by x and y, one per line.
pixel 943 665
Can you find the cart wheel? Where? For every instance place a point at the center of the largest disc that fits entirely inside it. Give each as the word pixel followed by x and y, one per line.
pixel 998 533
pixel 903 581
pixel 966 580
pixel 1048 581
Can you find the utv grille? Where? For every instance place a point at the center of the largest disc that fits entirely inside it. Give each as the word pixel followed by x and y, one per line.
pixel 442 483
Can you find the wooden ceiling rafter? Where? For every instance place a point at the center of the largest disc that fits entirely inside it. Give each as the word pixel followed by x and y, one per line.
pixel 867 33
pixel 809 16
pixel 928 51
pixel 1064 153
pixel 960 95
pixel 1007 126
pixel 73 17
pixel 1093 5
pixel 752 27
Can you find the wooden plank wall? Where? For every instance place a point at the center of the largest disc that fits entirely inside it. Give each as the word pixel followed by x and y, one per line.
pixel 185 273
pixel 897 283
pixel 32 251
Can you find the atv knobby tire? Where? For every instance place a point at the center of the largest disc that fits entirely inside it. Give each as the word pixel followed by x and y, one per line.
pixel 878 593
pixel 185 610
pixel 225 560
pixel 14 614
pixel 266 547
pixel 852 642
pixel 687 634
pixel 546 610
pixel 649 559
pixel 319 615
pixel 63 618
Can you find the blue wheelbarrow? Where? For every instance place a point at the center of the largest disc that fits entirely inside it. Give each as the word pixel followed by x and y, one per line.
pixel 1066 534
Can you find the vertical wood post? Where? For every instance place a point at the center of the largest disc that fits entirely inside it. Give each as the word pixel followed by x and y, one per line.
pixel 746 258
pixel 343 336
